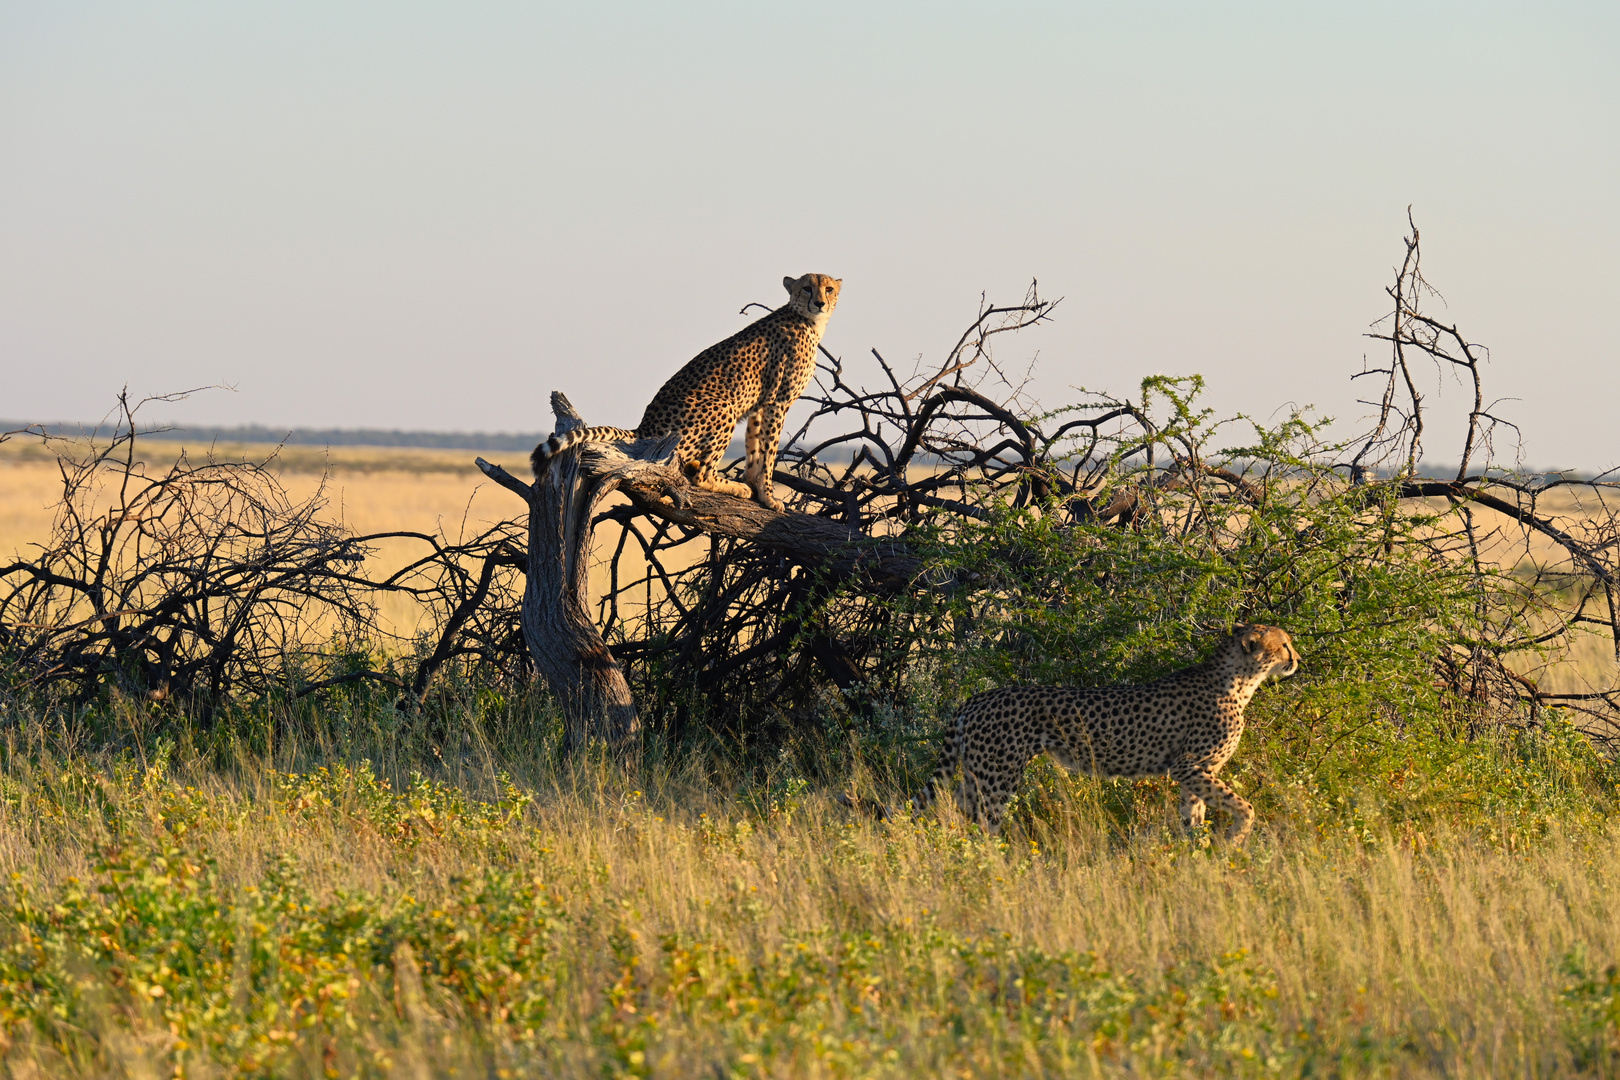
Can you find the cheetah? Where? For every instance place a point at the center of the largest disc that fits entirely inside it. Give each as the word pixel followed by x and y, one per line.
pixel 758 373
pixel 1187 724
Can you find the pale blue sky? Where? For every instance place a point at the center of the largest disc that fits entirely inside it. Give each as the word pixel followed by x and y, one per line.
pixel 429 216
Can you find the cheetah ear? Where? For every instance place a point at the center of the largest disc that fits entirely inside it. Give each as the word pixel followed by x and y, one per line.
pixel 788 283
pixel 1249 637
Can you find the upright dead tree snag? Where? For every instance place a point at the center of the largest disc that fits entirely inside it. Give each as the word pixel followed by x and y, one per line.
pixel 557 624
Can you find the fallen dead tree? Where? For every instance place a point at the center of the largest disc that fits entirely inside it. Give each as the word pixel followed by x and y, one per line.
pixel 796 559
pixel 558 626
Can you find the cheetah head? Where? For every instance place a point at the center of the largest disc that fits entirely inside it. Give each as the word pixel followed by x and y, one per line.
pixel 814 296
pixel 1268 648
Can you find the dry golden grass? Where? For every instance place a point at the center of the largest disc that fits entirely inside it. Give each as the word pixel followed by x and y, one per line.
pixel 692 935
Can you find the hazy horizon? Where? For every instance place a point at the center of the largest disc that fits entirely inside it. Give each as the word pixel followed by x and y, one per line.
pixel 427 219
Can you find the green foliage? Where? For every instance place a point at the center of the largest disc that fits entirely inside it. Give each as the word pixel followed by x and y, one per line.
pixel 1350 573
pixel 1591 1000
pixel 425 810
pixel 833 999
pixel 1388 621
pixel 254 978
pixel 1376 779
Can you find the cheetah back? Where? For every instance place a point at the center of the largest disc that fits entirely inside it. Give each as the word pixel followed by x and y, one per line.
pixel 723 383
pixel 1129 731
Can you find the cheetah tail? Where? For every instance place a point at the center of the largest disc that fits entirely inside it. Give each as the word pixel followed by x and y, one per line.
pixel 558 443
pixel 862 805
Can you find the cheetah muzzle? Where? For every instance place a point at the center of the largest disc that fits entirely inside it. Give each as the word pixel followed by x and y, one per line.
pixel 757 373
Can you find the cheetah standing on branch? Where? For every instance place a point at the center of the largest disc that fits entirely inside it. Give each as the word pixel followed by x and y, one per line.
pixel 1187 724
pixel 758 373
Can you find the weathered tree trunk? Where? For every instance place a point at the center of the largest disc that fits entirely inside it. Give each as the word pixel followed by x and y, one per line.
pixel 557 623
pixel 557 626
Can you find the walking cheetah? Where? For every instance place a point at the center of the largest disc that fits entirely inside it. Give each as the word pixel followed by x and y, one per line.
pixel 1187 724
pixel 758 372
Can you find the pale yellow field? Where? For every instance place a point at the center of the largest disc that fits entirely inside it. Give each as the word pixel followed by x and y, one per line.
pixel 370 489
pixel 1588 665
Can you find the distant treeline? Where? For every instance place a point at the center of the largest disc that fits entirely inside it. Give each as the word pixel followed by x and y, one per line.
pixel 487 440
pixel 259 433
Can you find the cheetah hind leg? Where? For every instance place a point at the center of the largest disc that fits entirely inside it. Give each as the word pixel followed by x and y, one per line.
pixel 705 477
pixel 982 801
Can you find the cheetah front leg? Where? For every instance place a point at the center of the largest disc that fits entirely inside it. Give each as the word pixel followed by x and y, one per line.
pixel 764 429
pixel 1200 786
pixel 1192 809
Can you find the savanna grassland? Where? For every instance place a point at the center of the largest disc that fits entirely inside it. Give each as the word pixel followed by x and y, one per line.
pixel 1418 907
pixel 369 489
pixel 331 887
pixel 267 809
